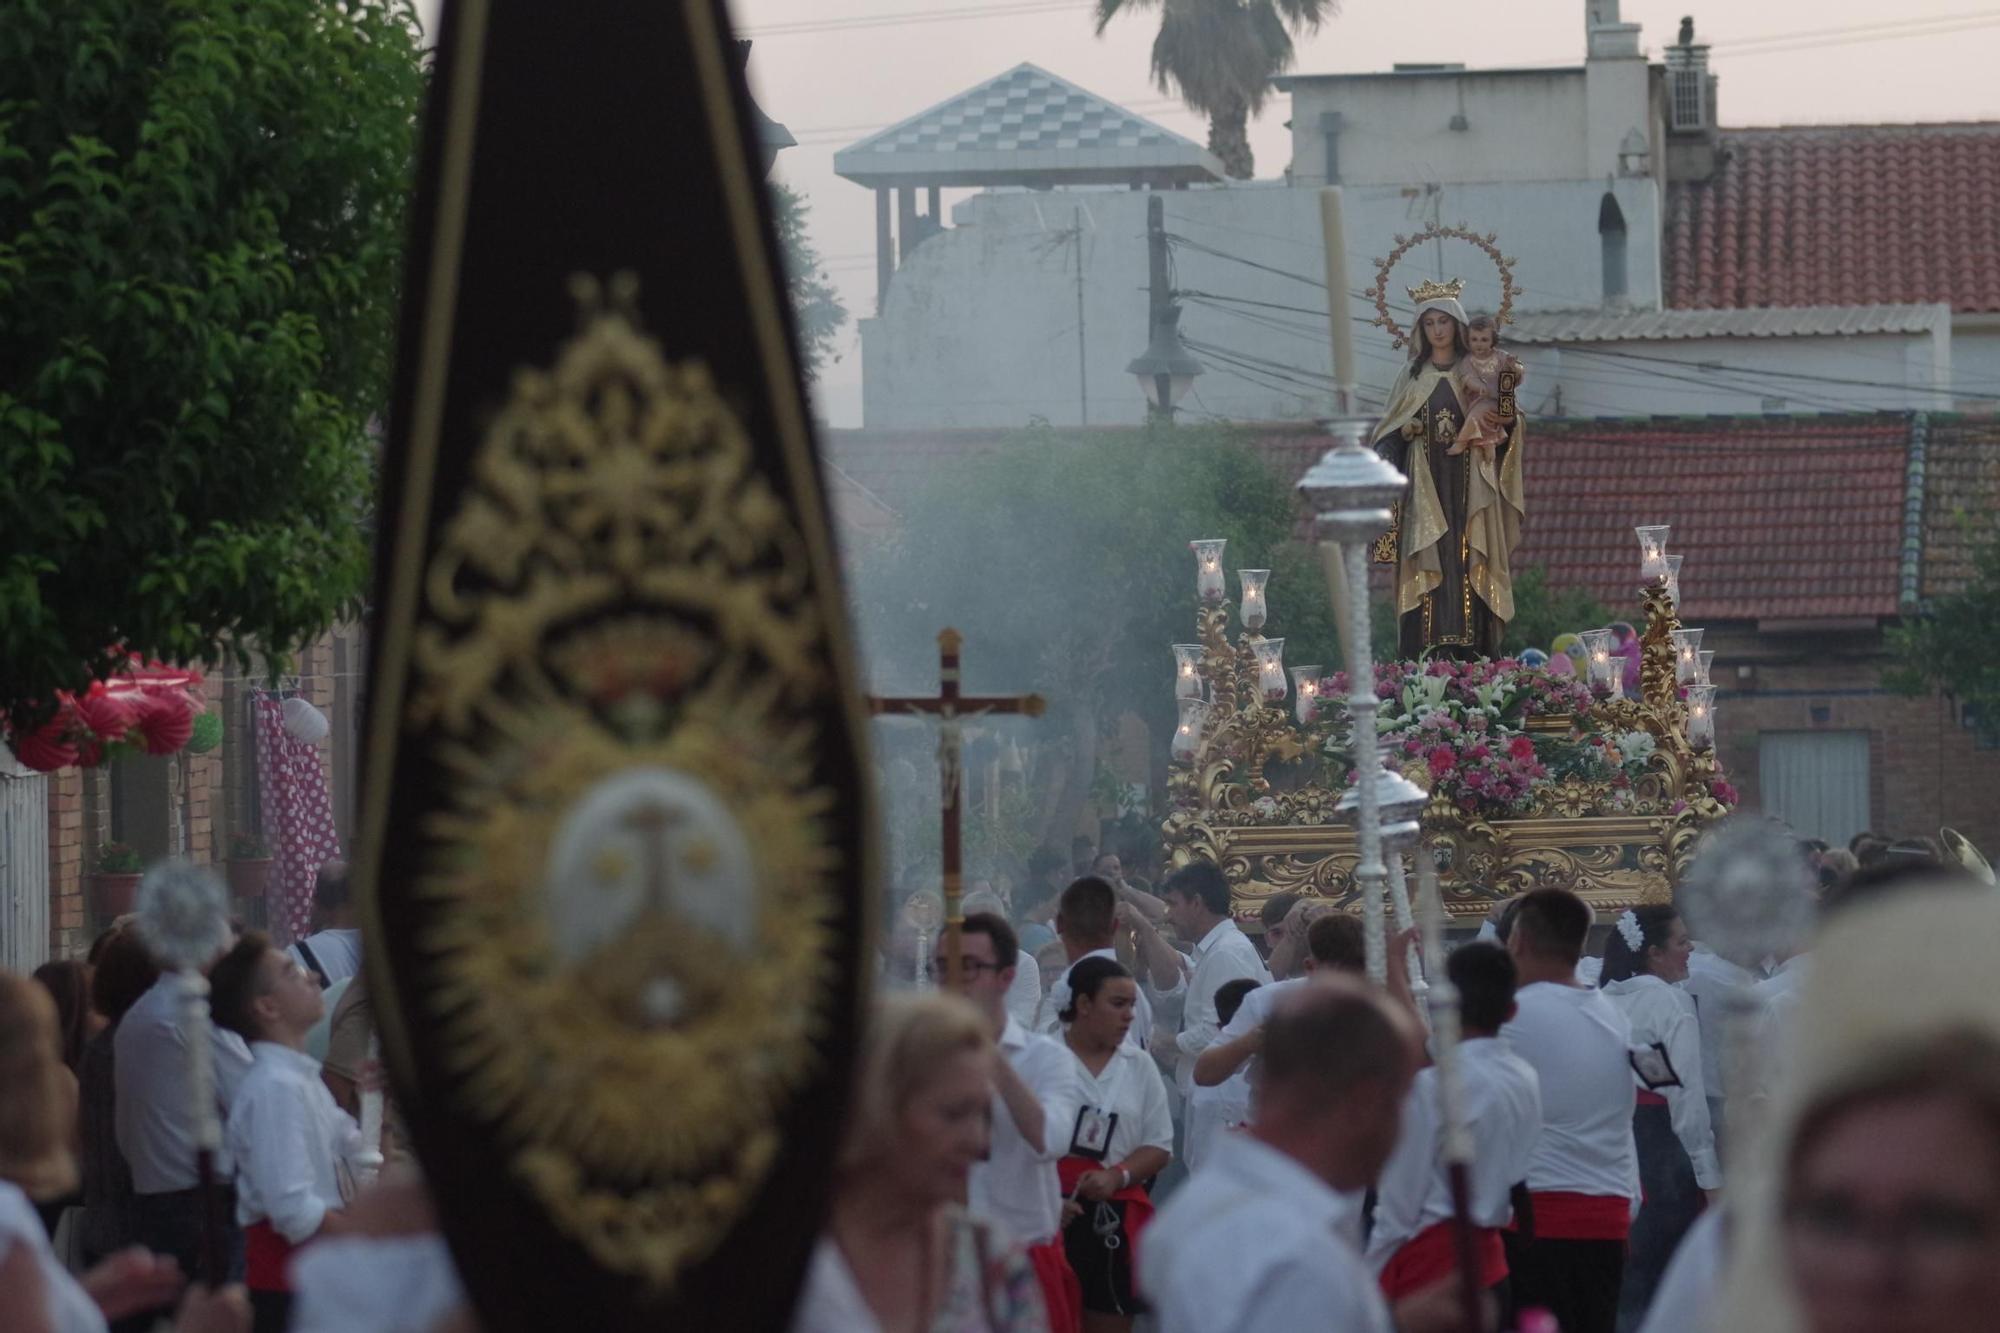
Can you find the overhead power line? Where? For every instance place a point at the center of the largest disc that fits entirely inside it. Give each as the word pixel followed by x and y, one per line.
pixel 953 14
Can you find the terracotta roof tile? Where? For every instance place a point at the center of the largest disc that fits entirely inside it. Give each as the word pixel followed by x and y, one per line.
pixel 1779 517
pixel 1846 215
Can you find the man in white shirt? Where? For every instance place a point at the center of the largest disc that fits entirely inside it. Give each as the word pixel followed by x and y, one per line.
pixel 1086 919
pixel 1252 1244
pixel 1034 1107
pixel 1334 945
pixel 291 1143
pixel 153 1122
pixel 1024 993
pixel 1583 1176
pixel 1197 899
pixel 333 952
pixel 1724 993
pixel 1411 1245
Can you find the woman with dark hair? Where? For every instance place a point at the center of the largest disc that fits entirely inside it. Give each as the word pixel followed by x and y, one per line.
pixel 1122 1137
pixel 1456 527
pixel 68 984
pixel 1645 960
pixel 125 971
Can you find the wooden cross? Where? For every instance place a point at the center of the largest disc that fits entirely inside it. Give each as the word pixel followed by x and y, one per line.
pixel 947 705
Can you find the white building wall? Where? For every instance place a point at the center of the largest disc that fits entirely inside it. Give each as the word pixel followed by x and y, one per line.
pixel 1396 129
pixel 1975 361
pixel 981 326
pixel 1729 376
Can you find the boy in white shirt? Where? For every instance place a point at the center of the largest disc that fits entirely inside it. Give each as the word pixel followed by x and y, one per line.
pixel 290 1141
pixel 1411 1244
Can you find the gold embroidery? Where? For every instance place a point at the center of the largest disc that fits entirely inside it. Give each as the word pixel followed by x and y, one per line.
pixel 1444 426
pixel 622 608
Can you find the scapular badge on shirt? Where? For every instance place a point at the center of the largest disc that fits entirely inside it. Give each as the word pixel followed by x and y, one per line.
pixel 1092 1136
pixel 1654 1068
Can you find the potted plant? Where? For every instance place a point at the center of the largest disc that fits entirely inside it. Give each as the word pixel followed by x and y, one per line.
pixel 249 866
pixel 116 882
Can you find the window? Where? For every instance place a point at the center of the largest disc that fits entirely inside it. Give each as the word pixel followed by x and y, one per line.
pixel 1816 781
pixel 1611 235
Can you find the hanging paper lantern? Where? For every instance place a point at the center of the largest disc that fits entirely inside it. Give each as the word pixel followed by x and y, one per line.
pixel 105 715
pixel 165 721
pixel 45 750
pixel 207 733
pixel 305 722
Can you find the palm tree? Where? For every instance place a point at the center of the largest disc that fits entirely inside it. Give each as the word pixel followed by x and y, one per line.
pixel 1220 56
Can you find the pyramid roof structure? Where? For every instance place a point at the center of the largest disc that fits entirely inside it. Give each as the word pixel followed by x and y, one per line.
pixel 1026 128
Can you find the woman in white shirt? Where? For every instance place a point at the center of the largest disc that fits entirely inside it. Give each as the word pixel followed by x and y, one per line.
pixel 1645 960
pixel 37 1105
pixel 1122 1138
pixel 899 1253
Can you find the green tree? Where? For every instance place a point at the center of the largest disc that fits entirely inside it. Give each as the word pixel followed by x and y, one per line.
pixel 1542 611
pixel 1219 57
pixel 201 226
pixel 1063 559
pixel 1955 644
pixel 816 303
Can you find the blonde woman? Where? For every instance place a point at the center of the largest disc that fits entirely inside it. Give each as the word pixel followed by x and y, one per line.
pixel 899 1255
pixel 37 1110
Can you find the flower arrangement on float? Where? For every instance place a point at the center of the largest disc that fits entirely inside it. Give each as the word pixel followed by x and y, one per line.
pixel 1489 736
pixel 147 707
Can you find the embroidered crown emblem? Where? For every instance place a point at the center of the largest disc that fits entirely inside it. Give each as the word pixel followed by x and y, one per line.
pixel 1437 291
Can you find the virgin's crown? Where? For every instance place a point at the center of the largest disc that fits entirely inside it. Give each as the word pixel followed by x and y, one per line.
pixel 1436 291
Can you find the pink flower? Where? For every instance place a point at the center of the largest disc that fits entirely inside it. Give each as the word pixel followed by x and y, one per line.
pixel 1723 792
pixel 1442 761
pixel 1521 748
pixel 1478 752
pixel 1413 746
pixel 1475 779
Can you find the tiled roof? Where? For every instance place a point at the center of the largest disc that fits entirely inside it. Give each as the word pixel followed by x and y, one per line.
pixel 1846 215
pixel 1779 517
pixel 1025 126
pixel 1566 326
pixel 1961 497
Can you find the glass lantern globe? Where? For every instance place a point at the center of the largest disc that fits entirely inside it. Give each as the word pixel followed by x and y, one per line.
pixel 1687 656
pixel 1253 610
pixel 1270 669
pixel 1187 671
pixel 1305 693
pixel 1188 729
pixel 1701 717
pixel 1652 551
pixel 1208 581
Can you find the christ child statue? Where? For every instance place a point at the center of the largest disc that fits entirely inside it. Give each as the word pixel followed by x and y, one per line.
pixel 1486 427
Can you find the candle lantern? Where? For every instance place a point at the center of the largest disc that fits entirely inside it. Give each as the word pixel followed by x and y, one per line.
pixel 1187 732
pixel 1208 581
pixel 1701 716
pixel 1687 646
pixel 1305 692
pixel 1605 669
pixel 1187 671
pixel 1270 669
pixel 1253 610
pixel 1674 582
pixel 1652 551
pixel 1702 661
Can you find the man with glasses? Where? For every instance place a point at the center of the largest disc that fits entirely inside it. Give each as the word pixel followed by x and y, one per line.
pixel 1034 1107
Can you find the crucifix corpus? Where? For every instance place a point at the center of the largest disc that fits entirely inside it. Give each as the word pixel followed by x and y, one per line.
pixel 950 707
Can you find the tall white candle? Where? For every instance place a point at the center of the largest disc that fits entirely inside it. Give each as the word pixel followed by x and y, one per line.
pixel 1334 231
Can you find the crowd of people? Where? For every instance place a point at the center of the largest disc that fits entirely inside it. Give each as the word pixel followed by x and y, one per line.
pixel 1175 1123
pixel 104 1214
pixel 1248 1137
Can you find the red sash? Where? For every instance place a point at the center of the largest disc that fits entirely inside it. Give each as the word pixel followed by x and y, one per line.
pixel 1062 1294
pixel 1432 1254
pixel 1560 1215
pixel 1138 1203
pixel 265 1255
pixel 1651 1099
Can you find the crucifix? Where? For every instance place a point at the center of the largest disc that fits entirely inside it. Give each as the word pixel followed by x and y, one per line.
pixel 948 706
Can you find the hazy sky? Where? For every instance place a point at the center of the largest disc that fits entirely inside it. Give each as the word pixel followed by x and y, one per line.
pixel 832 86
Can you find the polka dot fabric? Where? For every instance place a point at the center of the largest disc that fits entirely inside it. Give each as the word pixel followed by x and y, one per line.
pixel 298 820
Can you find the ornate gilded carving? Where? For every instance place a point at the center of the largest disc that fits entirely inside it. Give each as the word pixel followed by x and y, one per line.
pixel 1618 842
pixel 635 879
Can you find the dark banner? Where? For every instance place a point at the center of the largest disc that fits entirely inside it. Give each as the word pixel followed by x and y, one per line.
pixel 614 833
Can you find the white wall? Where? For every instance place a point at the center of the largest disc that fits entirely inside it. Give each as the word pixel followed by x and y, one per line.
pixel 1727 376
pixel 980 326
pixel 1396 128
pixel 1975 361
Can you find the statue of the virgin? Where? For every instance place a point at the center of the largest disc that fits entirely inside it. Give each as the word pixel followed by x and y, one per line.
pixel 1452 428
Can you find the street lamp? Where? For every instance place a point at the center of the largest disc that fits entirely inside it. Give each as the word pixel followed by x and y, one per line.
pixel 1167 368
pixel 1352 488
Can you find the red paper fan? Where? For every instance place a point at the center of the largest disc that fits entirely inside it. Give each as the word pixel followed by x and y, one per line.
pixel 165 721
